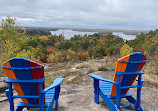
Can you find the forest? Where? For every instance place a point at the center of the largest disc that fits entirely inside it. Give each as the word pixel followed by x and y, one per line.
pixel 41 46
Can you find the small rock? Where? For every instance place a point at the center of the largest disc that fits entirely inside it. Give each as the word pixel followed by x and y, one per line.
pixel 3 86
pixel 73 69
pixel 2 79
pixel 71 78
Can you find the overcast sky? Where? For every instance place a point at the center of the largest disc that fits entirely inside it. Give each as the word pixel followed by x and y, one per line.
pixel 99 14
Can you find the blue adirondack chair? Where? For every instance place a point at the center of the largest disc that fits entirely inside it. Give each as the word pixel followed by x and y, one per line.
pixel 27 78
pixel 126 71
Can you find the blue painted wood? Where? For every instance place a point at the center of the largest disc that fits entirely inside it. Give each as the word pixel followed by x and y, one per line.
pixel 96 91
pixel 51 105
pixel 24 75
pixel 22 68
pixel 10 97
pixel 140 83
pixel 40 97
pixel 129 73
pixel 18 96
pixel 45 105
pixel 100 78
pixel 108 101
pixel 105 91
pixel 9 80
pixel 56 83
pixel 125 106
pixel 125 87
pixel 133 62
pixel 19 108
pixel 122 96
pixel 131 99
pixel 50 94
pixel 131 68
pixel 57 91
pixel 118 91
pixel 104 88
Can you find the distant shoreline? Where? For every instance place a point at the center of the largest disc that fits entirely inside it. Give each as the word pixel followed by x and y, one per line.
pixel 69 33
pixel 127 32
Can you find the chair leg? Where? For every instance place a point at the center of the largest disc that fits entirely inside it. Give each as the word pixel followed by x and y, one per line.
pixel 118 92
pixel 28 108
pixel 96 91
pixel 108 102
pixel 132 100
pixel 139 96
pixel 57 91
pixel 40 98
pixel 118 100
pixel 10 97
pixel 140 83
pixel 19 108
pixel 56 105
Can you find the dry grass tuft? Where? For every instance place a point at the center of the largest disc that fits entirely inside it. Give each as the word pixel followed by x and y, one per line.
pixel 151 70
pixel 83 66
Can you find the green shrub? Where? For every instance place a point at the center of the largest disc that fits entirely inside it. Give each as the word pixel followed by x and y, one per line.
pixel 99 50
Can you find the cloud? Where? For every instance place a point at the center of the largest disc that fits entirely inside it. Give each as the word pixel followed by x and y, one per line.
pixel 108 14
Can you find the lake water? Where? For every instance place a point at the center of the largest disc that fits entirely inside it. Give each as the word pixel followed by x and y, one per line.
pixel 70 33
pixel 124 36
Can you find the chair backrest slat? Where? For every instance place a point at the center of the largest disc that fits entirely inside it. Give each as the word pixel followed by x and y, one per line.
pixel 130 63
pixel 22 68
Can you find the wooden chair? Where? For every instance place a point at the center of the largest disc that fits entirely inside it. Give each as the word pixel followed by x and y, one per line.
pixel 126 71
pixel 27 78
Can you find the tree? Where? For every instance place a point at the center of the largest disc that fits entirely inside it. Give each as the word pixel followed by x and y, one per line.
pixel 111 50
pixel 151 45
pixel 11 38
pixel 99 50
pixel 15 43
pixel 125 50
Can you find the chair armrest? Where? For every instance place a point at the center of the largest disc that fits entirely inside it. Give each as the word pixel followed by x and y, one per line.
pixel 56 83
pixel 101 79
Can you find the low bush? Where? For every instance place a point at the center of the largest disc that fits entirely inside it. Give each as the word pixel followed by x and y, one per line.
pixel 83 56
pixel 44 58
pixel 54 57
